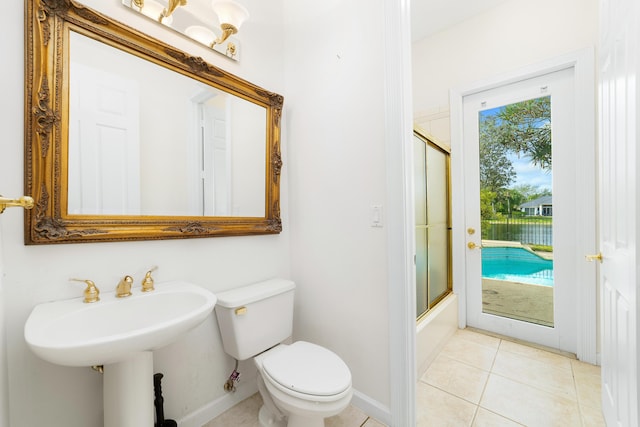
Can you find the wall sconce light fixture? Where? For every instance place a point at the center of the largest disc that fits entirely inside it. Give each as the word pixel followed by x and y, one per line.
pixel 171 6
pixel 230 15
pixel 153 10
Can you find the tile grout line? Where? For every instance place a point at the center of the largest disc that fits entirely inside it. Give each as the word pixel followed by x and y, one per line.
pixel 575 389
pixel 557 394
pixel 578 400
pixel 475 415
pixel 493 362
pixel 535 387
pixel 491 372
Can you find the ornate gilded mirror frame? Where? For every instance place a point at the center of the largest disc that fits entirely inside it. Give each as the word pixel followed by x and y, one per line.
pixel 47 121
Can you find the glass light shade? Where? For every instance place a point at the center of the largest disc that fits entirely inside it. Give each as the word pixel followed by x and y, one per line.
pixel 153 10
pixel 200 34
pixel 230 12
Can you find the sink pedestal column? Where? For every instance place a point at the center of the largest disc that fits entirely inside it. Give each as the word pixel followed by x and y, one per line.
pixel 128 392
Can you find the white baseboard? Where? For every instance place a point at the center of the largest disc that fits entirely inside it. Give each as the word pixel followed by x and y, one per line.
pixel 203 415
pixel 206 413
pixel 371 407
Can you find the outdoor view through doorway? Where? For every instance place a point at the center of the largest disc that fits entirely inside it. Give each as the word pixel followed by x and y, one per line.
pixel 516 211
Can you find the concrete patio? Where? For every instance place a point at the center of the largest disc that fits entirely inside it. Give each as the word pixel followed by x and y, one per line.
pixel 520 301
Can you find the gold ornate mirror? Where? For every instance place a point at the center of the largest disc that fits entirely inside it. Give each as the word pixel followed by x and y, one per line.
pixel 128 138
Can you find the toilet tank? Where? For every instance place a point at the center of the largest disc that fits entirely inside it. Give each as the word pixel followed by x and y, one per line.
pixel 256 317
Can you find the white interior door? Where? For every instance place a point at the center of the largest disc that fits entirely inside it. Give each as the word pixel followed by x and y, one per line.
pixel 568 208
pixel 215 155
pixel 104 143
pixel 619 138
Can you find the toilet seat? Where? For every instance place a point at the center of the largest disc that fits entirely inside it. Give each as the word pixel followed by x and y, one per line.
pixel 307 369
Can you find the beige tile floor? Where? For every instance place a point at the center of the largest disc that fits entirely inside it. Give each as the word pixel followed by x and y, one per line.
pixel 482 381
pixel 479 380
pixel 245 414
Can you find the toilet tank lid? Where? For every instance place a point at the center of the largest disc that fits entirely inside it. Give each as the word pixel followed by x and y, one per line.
pixel 247 294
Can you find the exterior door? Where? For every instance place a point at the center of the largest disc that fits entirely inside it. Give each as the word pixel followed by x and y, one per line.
pixel 559 328
pixel 619 139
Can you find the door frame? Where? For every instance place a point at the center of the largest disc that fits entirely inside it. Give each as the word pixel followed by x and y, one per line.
pixel 4 373
pixel 583 63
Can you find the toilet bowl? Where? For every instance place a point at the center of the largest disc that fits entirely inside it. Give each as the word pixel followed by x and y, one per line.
pixel 304 383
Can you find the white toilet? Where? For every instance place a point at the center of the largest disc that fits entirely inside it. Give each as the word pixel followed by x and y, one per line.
pixel 301 384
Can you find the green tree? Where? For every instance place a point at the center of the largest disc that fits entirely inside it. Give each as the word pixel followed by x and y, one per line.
pixel 487 198
pixel 531 192
pixel 510 199
pixel 496 170
pixel 525 129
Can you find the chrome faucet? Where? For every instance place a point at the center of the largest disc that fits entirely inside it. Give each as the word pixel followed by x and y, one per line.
pixel 124 287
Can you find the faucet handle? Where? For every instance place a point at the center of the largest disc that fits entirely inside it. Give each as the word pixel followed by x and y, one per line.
pixel 147 282
pixel 91 293
pixel 124 287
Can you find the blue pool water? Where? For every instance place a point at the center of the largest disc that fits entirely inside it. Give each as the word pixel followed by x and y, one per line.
pixel 516 265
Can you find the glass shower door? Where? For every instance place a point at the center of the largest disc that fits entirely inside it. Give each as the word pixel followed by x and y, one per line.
pixel 431 168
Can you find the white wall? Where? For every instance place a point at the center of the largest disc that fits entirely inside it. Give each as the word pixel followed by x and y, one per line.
pixel 195 368
pixel 336 146
pixel 512 35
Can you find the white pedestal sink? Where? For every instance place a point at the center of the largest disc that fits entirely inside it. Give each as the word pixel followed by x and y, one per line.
pixel 128 392
pixel 119 334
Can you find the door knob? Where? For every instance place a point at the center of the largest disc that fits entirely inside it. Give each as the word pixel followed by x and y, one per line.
pixel 473 245
pixel 471 230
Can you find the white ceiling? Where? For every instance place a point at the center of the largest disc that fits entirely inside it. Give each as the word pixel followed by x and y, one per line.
pixel 427 16
pixel 430 16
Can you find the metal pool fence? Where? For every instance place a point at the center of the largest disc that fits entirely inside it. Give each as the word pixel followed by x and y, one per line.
pixel 531 231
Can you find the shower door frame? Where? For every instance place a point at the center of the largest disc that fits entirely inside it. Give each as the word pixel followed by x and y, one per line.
pixel 446 151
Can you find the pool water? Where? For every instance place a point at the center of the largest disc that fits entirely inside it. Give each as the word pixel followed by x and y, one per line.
pixel 516 265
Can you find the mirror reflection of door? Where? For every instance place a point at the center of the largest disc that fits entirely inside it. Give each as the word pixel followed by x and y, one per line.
pixel 432 214
pixel 104 148
pixel 217 171
pixel 212 154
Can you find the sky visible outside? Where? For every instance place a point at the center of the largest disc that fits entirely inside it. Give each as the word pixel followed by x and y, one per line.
pixel 527 172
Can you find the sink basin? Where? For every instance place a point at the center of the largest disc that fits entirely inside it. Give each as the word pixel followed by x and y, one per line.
pixel 119 334
pixel 73 333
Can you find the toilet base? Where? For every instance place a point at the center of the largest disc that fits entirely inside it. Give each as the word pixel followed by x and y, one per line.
pixel 266 419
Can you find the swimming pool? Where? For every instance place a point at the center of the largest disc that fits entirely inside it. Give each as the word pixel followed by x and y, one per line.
pixel 516 265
